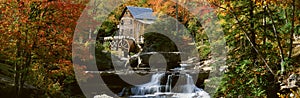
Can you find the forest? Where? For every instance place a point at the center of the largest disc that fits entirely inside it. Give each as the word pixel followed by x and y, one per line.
pixel 37 39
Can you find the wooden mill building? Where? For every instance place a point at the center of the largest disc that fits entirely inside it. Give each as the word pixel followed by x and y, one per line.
pixel 133 22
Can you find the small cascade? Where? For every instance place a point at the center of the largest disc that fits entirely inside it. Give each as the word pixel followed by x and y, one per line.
pixel 149 88
pixel 169 83
pixel 156 88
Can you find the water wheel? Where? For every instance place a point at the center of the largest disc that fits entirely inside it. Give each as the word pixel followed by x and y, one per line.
pixel 126 45
pixel 122 47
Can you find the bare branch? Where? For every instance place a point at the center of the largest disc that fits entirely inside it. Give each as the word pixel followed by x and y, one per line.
pixel 276 34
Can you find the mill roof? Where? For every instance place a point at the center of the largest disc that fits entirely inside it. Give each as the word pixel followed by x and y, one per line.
pixel 141 12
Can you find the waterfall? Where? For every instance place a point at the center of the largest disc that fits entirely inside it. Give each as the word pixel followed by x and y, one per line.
pixel 169 84
pixel 184 88
pixel 149 88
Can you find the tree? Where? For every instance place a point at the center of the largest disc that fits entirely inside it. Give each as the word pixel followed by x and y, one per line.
pixel 255 27
pixel 37 37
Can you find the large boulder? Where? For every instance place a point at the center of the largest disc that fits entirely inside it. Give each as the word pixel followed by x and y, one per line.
pixel 161 60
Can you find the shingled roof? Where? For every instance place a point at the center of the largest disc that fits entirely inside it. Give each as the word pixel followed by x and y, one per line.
pixel 141 13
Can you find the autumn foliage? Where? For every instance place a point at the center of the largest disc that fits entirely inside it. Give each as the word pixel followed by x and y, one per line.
pixel 36 38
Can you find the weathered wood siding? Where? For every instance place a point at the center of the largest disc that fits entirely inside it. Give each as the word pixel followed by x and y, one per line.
pixel 129 26
pixel 126 25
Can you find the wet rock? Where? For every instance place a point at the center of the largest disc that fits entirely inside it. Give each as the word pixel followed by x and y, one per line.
pixel 133 61
pixel 294 80
pixel 292 83
pixel 156 60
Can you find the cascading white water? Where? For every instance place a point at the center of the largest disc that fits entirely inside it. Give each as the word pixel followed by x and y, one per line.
pixel 168 85
pixel 153 89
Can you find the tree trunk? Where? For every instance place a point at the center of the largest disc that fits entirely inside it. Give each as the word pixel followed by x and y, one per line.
pixel 17 69
pixel 292 31
pixel 252 31
pixel 278 40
